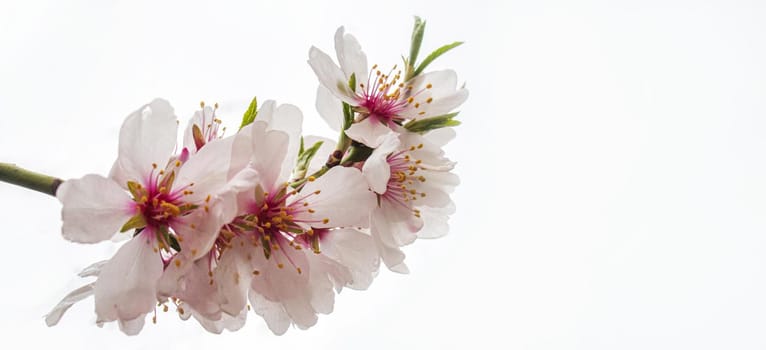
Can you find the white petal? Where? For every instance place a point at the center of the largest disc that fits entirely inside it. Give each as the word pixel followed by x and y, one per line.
pixel 344 199
pixel 273 313
pixel 232 276
pixel 330 108
pixel 53 317
pixel 126 286
pixel 269 151
pixel 94 208
pixel 447 103
pixel 440 137
pixel 350 55
pixel 356 251
pixel 148 136
pixel 288 119
pixel 435 222
pixel 369 132
pixel 384 232
pixel 207 170
pixel 330 75
pixel 134 326
pixel 376 169
pixel 195 290
pixel 93 269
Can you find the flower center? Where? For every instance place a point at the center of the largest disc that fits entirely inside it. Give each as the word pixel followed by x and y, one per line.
pixel 380 97
pixel 404 184
pixel 157 205
pixel 271 225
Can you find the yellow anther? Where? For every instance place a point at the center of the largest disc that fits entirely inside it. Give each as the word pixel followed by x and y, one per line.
pixel 280 265
pixel 310 232
pixel 207 209
pixel 317 191
pixel 194 252
pixel 207 199
pixel 429 100
pixel 178 263
pixel 299 270
pixel 164 308
pixel 325 220
pixel 193 226
pixel 409 100
pixel 178 163
pixel 312 178
pixel 154 165
pixel 312 211
pixel 181 310
pixel 417 105
pixel 202 104
pixel 429 86
pixel 170 209
pixel 256 272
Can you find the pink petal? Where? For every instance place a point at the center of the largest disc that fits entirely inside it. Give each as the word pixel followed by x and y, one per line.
pixel 330 75
pixel 376 169
pixel 343 198
pixel 148 136
pixel 369 132
pixel 350 55
pixel 269 151
pixel 329 108
pixel 94 208
pixel 126 287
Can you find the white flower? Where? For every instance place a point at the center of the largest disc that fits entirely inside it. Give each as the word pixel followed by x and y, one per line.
pixel 383 100
pixel 170 202
pixel 269 254
pixel 413 181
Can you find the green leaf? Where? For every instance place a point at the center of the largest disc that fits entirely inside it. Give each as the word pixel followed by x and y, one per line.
pixel 304 159
pixel 137 221
pixel 348 116
pixel 417 39
pixel 250 114
pixel 427 124
pixel 434 55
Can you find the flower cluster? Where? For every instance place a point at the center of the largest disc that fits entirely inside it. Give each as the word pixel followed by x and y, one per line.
pixel 265 219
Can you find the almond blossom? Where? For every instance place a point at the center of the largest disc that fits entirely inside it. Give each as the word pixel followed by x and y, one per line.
pixel 169 201
pixel 382 99
pixel 273 254
pixel 412 178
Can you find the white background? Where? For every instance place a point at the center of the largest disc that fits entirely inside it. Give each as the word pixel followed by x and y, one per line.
pixel 612 159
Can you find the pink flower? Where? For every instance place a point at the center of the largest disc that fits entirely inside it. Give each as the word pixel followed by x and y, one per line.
pixel 272 254
pixel 383 100
pixel 171 202
pixel 413 180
